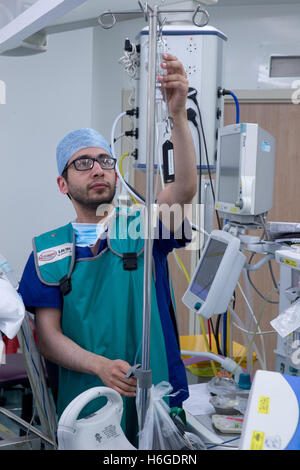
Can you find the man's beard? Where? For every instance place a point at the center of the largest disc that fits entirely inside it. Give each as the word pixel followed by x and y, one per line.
pixel 81 196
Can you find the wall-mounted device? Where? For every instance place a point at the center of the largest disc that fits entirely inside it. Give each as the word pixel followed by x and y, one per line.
pixel 216 275
pixel 245 172
pixel 201 52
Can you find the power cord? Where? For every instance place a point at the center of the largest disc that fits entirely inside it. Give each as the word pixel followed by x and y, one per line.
pixel 192 95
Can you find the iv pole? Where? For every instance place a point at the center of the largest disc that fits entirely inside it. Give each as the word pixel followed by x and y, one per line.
pixel 144 374
pixel 150 156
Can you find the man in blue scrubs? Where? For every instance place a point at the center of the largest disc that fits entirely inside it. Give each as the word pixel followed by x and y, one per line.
pixel 65 301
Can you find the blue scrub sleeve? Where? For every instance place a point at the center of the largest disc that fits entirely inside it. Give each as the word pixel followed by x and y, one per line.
pixel 165 241
pixel 36 294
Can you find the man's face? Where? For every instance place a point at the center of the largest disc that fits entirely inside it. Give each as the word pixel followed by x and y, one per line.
pixel 89 188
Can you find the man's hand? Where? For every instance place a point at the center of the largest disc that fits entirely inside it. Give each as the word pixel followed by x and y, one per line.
pixel 175 86
pixel 175 82
pixel 58 348
pixel 113 375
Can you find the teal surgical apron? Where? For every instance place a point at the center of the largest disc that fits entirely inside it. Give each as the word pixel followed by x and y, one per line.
pixel 102 307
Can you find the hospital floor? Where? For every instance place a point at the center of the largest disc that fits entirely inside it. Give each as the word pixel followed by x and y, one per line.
pixel 14 436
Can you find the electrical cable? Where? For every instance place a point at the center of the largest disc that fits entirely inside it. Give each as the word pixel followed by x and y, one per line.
pixel 192 95
pixel 213 330
pixel 224 323
pixel 272 275
pixel 255 288
pixel 209 334
pixel 265 232
pixel 217 335
pixel 222 444
pixel 191 115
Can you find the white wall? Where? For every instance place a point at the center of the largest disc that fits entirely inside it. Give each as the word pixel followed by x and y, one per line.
pixel 108 76
pixel 47 95
pixel 250 31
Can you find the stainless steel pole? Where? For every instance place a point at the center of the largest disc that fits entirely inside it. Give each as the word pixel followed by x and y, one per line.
pixel 150 154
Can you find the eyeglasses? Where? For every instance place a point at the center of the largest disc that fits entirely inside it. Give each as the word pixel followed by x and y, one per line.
pixel 86 163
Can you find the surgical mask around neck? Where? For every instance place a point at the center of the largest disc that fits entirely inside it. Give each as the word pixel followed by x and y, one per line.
pixel 87 234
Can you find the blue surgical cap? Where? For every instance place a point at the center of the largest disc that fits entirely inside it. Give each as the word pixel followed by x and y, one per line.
pixel 77 140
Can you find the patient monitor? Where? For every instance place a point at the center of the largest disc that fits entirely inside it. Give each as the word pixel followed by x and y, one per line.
pixel 216 275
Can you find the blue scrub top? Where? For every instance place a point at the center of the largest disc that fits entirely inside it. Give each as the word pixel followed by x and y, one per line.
pixel 36 294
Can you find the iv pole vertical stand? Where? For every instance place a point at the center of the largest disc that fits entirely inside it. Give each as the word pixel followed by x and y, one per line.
pixel 150 154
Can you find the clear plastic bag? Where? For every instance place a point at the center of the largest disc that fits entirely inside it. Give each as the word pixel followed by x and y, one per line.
pixel 288 320
pixel 228 397
pixel 223 384
pixel 229 404
pixel 160 431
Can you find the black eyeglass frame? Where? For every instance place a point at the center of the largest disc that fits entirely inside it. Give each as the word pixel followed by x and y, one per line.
pixel 93 159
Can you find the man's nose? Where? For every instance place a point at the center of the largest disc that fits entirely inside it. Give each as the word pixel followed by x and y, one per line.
pixel 97 169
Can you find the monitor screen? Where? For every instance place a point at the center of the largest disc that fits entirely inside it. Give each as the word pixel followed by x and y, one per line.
pixel 229 168
pixel 208 268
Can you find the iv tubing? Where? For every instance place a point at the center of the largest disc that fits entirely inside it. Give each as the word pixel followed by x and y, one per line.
pixel 237 318
pixel 257 328
pixel 122 174
pixel 258 322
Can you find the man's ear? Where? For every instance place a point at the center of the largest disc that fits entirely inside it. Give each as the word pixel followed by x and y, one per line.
pixel 62 184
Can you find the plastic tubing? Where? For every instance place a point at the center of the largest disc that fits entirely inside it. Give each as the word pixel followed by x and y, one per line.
pixel 253 318
pixel 228 364
pixel 112 146
pixel 237 106
pixel 113 130
pixel 122 173
pixel 256 322
pixel 239 321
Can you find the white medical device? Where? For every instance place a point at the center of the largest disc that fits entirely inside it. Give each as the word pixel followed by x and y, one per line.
pixel 216 275
pixel 272 416
pixel 201 52
pixel 100 430
pixel 245 172
pixel 287 355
